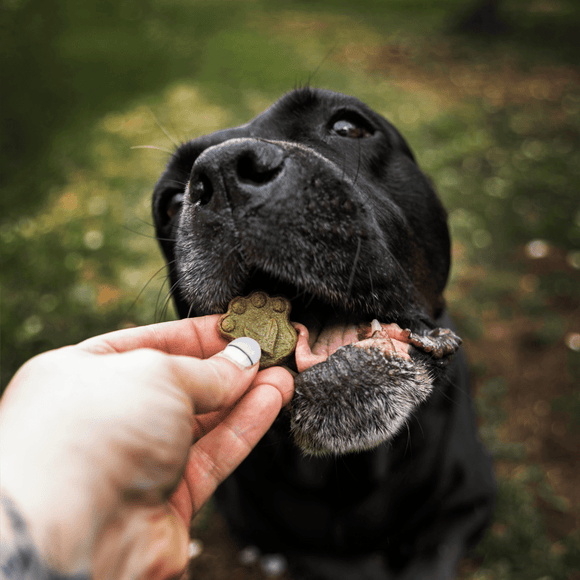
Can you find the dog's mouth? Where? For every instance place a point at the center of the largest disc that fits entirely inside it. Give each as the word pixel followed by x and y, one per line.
pixel 358 378
pixel 313 349
pixel 323 328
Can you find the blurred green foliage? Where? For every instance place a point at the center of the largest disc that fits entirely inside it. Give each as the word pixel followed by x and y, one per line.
pixel 94 93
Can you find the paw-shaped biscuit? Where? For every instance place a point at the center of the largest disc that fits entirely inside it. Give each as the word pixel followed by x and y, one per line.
pixel 265 319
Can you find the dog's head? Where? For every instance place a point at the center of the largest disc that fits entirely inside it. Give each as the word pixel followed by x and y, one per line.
pixel 319 199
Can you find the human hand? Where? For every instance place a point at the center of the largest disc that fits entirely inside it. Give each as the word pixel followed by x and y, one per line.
pixel 97 447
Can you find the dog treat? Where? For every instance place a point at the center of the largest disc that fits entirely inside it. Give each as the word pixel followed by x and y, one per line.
pixel 265 319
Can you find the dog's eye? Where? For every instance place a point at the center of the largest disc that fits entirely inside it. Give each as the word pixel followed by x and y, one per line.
pixel 174 205
pixel 350 129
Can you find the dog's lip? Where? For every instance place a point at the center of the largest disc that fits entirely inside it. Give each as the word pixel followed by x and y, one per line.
pixel 311 350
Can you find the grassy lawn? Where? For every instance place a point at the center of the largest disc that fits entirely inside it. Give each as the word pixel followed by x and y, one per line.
pixel 96 94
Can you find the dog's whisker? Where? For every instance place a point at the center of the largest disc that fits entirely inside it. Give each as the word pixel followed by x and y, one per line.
pixel 178 182
pixel 344 165
pixel 158 311
pixel 324 59
pixel 165 308
pixel 166 304
pixel 151 278
pixel 371 282
pixel 310 300
pixel 409 441
pixel 152 147
pixel 358 164
pixel 143 235
pixel 166 133
pixel 145 222
pixel 354 265
pixel 170 240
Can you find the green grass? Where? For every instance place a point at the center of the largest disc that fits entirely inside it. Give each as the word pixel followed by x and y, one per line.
pixel 495 122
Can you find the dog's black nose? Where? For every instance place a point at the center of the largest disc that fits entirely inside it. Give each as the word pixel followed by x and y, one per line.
pixel 236 172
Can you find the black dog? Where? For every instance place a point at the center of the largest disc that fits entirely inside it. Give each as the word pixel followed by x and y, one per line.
pixel 319 199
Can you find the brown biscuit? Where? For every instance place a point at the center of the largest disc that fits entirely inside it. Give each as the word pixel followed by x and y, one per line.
pixel 265 319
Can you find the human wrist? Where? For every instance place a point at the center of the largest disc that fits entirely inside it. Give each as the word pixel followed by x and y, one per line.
pixel 20 558
pixel 52 477
pixel 58 526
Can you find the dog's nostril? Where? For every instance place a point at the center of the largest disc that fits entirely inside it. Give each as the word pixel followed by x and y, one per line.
pixel 251 170
pixel 201 189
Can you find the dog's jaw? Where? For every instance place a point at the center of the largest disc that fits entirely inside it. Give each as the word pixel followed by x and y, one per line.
pixel 356 400
pixel 327 385
pixel 360 385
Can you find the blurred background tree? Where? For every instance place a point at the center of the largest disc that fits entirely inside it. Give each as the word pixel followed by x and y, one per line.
pixel 95 94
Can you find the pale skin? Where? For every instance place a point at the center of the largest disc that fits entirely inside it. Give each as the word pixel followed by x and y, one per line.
pixel 111 446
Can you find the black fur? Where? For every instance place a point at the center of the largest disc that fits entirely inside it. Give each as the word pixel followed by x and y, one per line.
pixel 320 199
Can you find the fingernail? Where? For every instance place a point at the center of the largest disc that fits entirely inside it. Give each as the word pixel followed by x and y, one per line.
pixel 243 351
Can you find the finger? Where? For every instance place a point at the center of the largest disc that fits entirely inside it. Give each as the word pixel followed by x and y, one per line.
pixel 197 337
pixel 219 381
pixel 219 452
pixel 277 377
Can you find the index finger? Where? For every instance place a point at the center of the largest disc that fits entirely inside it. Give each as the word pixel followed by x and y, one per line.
pixel 197 337
pixel 213 457
pixel 277 377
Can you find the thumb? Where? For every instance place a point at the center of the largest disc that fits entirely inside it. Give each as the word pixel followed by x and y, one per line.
pixel 220 380
pixel 244 352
